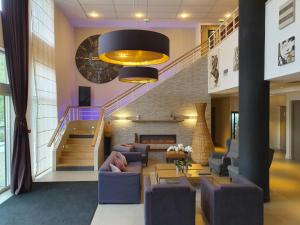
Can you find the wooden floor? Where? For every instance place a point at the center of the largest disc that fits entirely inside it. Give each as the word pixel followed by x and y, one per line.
pixel 284 208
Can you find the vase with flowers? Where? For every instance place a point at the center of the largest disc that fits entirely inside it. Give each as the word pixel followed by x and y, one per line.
pixel 182 165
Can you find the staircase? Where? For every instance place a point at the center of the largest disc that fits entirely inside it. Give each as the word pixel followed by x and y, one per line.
pixel 78 138
pixel 77 152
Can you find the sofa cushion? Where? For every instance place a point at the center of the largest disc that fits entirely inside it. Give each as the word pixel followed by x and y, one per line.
pixel 119 163
pixel 134 167
pixel 122 157
pixel 114 169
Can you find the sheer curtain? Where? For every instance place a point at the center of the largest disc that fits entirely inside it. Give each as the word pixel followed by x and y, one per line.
pixel 44 97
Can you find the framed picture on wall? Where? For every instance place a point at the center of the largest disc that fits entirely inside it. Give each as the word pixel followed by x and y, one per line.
pixel 214 70
pixel 286 51
pixel 287 14
pixel 236 61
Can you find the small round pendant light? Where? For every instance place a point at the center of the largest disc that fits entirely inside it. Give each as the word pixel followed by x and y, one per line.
pixel 138 75
pixel 134 47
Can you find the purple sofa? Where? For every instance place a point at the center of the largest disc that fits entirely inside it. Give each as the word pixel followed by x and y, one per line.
pixel 169 204
pixel 238 203
pixel 121 187
pixel 135 147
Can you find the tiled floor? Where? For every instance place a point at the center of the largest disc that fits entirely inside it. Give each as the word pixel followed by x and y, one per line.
pixel 283 209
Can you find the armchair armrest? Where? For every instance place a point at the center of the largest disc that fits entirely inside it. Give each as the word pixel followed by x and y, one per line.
pixel 121 148
pixel 143 148
pixel 133 156
pixel 147 184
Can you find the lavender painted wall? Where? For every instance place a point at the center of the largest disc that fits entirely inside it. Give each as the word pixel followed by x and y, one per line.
pixel 181 41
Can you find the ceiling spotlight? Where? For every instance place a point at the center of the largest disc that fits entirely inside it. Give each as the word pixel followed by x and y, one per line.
pixel 93 14
pixel 221 20
pixel 184 15
pixel 139 15
pixel 146 20
pixel 227 15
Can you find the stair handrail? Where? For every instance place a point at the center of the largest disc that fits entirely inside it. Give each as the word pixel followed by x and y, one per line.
pixel 58 127
pixel 63 119
pixel 98 126
pixel 225 29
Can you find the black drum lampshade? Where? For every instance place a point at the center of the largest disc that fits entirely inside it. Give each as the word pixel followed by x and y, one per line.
pixel 134 47
pixel 138 75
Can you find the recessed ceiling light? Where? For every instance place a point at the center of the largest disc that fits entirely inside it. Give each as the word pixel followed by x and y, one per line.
pixel 139 15
pixel 227 15
pixel 184 15
pixel 93 14
pixel 221 20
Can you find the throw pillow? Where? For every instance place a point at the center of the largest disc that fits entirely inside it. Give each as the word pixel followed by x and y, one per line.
pixel 114 169
pixel 122 157
pixel 118 163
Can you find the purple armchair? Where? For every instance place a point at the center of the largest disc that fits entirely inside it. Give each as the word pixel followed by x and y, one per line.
pixel 169 204
pixel 238 203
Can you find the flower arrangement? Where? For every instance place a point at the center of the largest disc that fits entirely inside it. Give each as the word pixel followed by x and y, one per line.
pixel 180 147
pixel 182 165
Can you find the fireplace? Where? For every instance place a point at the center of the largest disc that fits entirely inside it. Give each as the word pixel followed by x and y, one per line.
pixel 157 139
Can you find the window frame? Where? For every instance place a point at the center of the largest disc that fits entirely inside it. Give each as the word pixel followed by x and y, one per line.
pixel 6 92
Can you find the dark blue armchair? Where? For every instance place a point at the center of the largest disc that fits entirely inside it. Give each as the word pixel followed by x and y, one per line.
pixel 169 204
pixel 237 203
pixel 219 162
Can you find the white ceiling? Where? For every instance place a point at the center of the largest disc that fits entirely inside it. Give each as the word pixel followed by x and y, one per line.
pixel 158 11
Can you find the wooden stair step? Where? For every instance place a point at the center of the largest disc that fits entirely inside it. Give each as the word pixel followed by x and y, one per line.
pixel 77 155
pixel 78 162
pixel 81 136
pixel 83 141
pixel 82 131
pixel 76 147
pixel 60 165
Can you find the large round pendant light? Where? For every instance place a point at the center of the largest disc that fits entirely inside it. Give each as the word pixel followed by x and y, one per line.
pixel 134 47
pixel 138 75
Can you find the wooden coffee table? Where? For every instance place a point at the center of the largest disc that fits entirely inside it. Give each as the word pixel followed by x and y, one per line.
pixel 168 172
pixel 168 175
pixel 165 166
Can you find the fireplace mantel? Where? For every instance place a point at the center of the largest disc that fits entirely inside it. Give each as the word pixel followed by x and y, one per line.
pixel 158 121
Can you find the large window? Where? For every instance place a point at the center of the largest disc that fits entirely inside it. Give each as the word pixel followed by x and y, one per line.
pixel 44 103
pixel 5 126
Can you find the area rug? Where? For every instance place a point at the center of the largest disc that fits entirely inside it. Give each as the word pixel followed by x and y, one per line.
pixel 59 203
